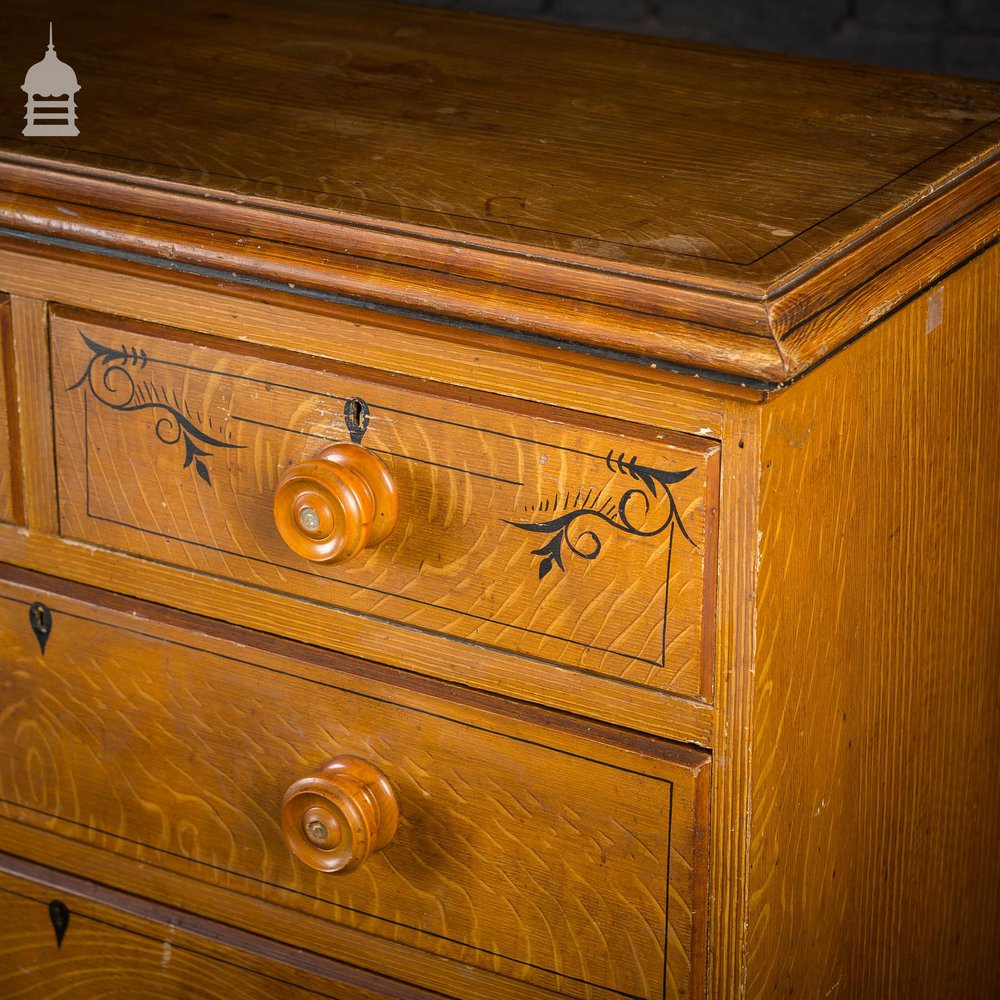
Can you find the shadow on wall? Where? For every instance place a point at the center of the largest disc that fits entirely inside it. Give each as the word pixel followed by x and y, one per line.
pixel 960 37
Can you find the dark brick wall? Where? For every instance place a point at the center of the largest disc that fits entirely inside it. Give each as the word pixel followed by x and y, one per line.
pixel 961 37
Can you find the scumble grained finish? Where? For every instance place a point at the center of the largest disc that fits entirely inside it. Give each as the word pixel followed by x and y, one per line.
pixel 9 498
pixel 592 547
pixel 30 376
pixel 137 737
pixel 684 687
pixel 115 947
pixel 876 722
pixel 731 743
pixel 693 205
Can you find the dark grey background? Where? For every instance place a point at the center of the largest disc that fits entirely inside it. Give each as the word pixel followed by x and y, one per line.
pixel 961 37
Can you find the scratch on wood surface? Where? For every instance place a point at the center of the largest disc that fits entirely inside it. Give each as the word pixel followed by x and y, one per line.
pixel 935 309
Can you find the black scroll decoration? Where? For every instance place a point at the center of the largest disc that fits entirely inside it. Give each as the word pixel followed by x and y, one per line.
pixel 623 517
pixel 111 375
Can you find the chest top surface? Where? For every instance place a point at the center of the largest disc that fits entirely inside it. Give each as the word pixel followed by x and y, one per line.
pixel 488 159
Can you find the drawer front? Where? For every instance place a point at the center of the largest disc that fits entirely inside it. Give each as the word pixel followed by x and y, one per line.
pixel 7 423
pixel 585 545
pixel 557 854
pixel 60 936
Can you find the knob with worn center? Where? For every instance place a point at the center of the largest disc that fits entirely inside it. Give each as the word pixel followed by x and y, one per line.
pixel 336 819
pixel 328 508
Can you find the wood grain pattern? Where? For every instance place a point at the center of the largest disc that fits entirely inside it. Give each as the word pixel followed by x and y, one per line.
pixel 731 743
pixel 644 709
pixel 29 333
pixel 120 947
pixel 473 246
pixel 134 736
pixel 629 193
pixel 876 701
pixel 10 494
pixel 384 341
pixel 311 935
pixel 586 547
pixel 406 94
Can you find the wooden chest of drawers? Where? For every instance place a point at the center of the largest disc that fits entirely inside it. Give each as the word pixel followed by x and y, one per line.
pixel 491 510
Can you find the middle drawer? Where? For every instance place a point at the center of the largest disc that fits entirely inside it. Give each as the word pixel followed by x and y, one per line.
pixel 572 540
pixel 567 856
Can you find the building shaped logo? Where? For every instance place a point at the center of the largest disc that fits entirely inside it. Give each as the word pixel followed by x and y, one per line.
pixel 51 87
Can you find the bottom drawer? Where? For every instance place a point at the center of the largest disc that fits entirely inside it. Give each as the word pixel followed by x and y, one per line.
pixel 532 846
pixel 63 936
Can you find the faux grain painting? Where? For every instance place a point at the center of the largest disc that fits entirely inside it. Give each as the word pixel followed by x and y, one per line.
pixel 493 508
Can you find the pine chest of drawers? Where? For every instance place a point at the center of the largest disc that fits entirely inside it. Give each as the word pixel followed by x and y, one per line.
pixel 494 510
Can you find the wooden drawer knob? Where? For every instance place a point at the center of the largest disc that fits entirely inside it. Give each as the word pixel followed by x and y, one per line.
pixel 336 819
pixel 330 507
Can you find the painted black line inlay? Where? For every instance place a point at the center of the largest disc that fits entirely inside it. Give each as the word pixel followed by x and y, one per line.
pixel 59 916
pixel 378 451
pixel 662 781
pixel 309 211
pixel 113 376
pixel 356 409
pixel 41 623
pixel 132 932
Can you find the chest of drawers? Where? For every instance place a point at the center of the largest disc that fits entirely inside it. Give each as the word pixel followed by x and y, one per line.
pixel 492 510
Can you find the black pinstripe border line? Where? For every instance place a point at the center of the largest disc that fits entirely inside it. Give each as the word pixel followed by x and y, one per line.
pixel 409 708
pixel 632 657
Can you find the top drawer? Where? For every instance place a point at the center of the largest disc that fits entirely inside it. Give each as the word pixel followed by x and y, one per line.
pixel 587 545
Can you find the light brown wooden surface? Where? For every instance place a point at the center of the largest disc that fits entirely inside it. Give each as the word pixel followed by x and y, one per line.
pixel 176 749
pixel 671 200
pixel 730 739
pixel 591 547
pixel 32 378
pixel 875 816
pixel 804 804
pixel 495 670
pixel 118 947
pixel 9 491
pixel 383 341
pixel 311 934
pixel 403 95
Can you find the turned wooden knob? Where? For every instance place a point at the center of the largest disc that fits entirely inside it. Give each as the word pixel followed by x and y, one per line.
pixel 336 819
pixel 330 507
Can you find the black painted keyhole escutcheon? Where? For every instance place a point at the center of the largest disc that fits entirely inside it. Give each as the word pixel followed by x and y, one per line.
pixel 59 915
pixel 356 417
pixel 41 623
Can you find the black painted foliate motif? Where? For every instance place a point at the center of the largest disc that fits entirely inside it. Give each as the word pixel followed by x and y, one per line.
pixel 575 530
pixel 114 378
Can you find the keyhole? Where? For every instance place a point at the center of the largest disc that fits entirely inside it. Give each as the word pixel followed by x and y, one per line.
pixel 356 417
pixel 40 618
